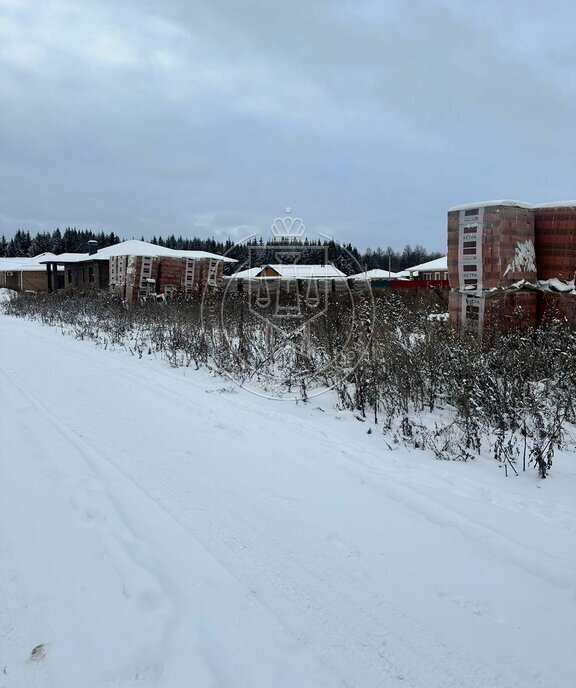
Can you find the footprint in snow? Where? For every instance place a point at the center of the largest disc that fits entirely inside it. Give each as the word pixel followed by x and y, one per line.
pixel 38 653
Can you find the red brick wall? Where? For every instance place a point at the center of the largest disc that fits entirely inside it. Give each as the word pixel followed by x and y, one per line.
pixel 500 230
pixel 504 310
pixel 553 305
pixel 555 241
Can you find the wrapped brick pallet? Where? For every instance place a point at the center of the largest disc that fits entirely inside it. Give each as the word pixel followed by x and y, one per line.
pixel 139 269
pixel 556 306
pixel 490 245
pixel 172 275
pixel 555 241
pixel 493 311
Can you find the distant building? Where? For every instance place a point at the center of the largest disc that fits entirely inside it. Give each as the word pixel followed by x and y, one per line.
pixel 27 274
pixel 313 282
pixel 432 274
pixel 138 269
pixel 289 271
pixel 379 279
pixel 433 270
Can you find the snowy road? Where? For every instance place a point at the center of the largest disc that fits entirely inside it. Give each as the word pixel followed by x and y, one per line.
pixel 158 528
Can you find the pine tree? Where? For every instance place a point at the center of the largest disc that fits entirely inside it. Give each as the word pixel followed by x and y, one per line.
pixel 21 244
pixel 56 243
pixel 41 243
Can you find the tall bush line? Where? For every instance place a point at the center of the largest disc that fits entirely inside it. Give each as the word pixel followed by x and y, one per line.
pixel 424 383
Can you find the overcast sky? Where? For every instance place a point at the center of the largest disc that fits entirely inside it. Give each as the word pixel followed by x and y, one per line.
pixel 209 117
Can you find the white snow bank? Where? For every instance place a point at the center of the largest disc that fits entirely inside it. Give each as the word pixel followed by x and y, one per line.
pixel 7 294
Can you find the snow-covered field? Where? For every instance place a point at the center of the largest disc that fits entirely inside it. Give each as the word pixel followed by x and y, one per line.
pixel 160 527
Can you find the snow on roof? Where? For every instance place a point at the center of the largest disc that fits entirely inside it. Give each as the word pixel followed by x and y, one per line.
pixel 205 254
pixel 438 264
pixel 292 271
pixel 557 204
pixel 133 247
pixel 11 264
pixel 486 204
pixel 143 248
pixel 518 204
pixel 376 273
pixel 24 264
pixel 250 273
pixel 62 258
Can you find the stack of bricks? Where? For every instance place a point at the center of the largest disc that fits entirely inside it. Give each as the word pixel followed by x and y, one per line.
pixel 503 310
pixel 555 241
pixel 188 275
pixel 131 276
pixel 139 270
pixel 117 274
pixel 556 306
pixel 172 275
pixel 490 247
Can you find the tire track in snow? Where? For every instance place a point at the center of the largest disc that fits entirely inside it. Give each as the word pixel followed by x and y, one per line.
pixel 117 550
pixel 305 588
pixel 403 491
pixel 220 521
pixel 203 669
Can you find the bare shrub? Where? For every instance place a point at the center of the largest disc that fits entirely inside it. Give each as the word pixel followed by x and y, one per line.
pixel 427 385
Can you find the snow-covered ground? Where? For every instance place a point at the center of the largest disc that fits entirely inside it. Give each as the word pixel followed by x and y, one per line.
pixel 159 527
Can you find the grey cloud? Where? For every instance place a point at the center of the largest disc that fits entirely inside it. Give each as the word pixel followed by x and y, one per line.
pixel 368 118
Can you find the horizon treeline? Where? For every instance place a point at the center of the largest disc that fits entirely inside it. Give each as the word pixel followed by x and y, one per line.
pixel 73 240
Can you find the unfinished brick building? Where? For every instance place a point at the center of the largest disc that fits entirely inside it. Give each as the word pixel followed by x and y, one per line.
pixel 138 270
pixel 511 264
pixel 137 276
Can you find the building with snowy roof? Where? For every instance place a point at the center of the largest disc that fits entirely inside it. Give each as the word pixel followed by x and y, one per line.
pixel 26 274
pixel 378 278
pixel 432 270
pixel 137 269
pixel 289 271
